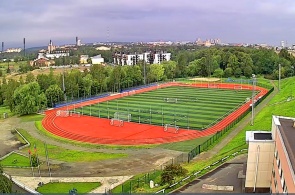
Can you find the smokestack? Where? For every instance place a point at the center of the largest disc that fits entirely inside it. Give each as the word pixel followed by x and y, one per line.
pixel 24 46
pixel 2 47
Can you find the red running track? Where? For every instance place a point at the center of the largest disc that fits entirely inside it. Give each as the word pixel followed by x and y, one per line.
pixel 99 131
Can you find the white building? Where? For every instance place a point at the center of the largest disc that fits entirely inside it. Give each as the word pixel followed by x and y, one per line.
pixel 97 59
pixel 103 48
pixel 283 44
pixel 149 58
pixel 57 55
pixel 11 50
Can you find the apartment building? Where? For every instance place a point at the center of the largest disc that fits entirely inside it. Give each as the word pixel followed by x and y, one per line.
pixel 271 158
pixel 147 57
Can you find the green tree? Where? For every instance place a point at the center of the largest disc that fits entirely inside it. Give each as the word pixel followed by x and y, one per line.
pixel 218 73
pixel 156 72
pixel 54 94
pixel 87 83
pixel 169 69
pixel 170 172
pixel 5 183
pixel 28 99
pixel 248 71
pixel 30 78
pixel 238 72
pixel 228 72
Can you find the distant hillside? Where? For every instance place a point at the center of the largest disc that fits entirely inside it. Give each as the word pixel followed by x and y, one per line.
pixel 34 49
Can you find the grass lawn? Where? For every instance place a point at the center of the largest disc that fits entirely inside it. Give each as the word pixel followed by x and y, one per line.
pixel 16 160
pixel 65 187
pixel 59 153
pixel 31 117
pixel 184 146
pixel 186 107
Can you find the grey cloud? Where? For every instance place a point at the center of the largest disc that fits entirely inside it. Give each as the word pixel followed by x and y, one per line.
pixel 231 20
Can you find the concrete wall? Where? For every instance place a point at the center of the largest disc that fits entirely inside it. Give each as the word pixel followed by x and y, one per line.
pixel 262 178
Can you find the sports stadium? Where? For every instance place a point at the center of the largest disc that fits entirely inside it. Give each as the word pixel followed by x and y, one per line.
pixel 154 114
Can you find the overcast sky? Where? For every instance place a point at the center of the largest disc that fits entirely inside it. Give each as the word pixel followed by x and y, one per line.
pixel 233 21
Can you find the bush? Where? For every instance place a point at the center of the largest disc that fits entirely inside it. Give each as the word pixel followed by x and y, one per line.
pixel 170 172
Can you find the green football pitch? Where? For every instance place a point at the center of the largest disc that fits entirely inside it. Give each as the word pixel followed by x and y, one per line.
pixel 185 107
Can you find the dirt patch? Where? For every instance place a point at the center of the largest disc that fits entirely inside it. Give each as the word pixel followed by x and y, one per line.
pixel 37 72
pixel 205 79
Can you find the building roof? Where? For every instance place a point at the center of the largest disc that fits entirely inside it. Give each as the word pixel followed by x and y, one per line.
pixel 96 57
pixel 288 132
pixel 258 136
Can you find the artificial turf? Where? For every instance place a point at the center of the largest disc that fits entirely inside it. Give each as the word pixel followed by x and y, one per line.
pixel 185 107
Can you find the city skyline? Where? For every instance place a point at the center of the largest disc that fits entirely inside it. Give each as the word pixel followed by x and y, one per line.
pixel 245 21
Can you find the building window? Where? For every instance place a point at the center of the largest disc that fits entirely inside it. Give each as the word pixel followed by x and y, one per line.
pixel 285 190
pixel 283 183
pixel 276 154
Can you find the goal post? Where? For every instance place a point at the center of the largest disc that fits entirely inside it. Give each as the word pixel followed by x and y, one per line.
pixel 125 116
pixel 171 128
pixel 170 100
pixel 74 113
pixel 116 122
pixel 62 113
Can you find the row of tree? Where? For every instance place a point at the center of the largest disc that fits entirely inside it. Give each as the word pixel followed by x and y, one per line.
pixel 34 93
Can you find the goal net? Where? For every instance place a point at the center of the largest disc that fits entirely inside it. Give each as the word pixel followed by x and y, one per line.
pixel 171 128
pixel 62 113
pixel 74 113
pixel 172 100
pixel 122 116
pixel 117 122
pixel 247 100
pixel 131 92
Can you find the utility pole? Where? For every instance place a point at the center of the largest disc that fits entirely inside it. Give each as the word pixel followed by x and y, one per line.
pixel 144 63
pixel 279 77
pixel 253 95
pixel 24 46
pixel 63 85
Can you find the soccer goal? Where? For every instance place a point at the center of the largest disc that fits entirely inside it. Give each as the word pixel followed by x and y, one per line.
pixel 116 122
pixel 171 100
pixel 122 116
pixel 171 128
pixel 74 113
pixel 62 113
pixel 247 100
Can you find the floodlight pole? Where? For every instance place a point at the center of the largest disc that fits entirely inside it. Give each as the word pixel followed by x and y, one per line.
pixel 279 77
pixel 253 94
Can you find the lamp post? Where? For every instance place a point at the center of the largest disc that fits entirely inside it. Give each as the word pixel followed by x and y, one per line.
pixel 279 77
pixel 253 95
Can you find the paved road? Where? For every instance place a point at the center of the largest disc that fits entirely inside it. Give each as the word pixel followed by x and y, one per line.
pixel 225 175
